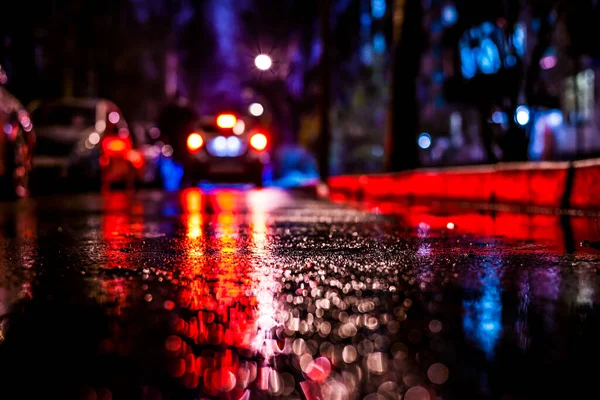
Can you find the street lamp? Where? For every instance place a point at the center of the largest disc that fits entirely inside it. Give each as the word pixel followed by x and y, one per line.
pixel 263 62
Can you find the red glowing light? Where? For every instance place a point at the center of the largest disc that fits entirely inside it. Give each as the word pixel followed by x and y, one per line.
pixel 258 141
pixel 194 142
pixel 136 158
pixel 104 161
pixel 113 145
pixel 173 343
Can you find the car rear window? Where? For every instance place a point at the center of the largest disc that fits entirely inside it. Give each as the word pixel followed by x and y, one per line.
pixel 209 128
pixel 65 115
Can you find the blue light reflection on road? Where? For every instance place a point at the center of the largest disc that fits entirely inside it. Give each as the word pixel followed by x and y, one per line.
pixel 482 321
pixel 171 174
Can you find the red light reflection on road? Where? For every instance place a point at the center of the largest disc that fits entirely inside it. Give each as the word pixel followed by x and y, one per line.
pixel 544 229
pixel 225 316
pixel 215 317
pixel 192 206
pixel 122 230
pixel 560 233
pixel 122 225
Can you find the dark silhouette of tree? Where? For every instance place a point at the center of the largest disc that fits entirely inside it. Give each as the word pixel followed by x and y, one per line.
pixel 402 144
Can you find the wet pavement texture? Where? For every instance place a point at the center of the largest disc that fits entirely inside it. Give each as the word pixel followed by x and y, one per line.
pixel 244 294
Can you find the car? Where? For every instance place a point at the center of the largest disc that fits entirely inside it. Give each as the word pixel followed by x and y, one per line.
pixel 224 148
pixel 120 161
pixel 85 140
pixel 17 142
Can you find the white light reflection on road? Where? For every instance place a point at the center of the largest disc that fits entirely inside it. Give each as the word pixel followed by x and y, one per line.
pixel 267 281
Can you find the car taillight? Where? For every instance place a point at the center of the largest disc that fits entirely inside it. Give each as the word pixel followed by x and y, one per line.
pixel 258 141
pixel 194 142
pixel 136 158
pixel 114 145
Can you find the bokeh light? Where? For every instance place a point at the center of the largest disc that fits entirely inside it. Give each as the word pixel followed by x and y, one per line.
pixel 194 142
pixel 226 121
pixel 258 141
pixel 94 138
pixel 256 109
pixel 548 62
pixel 424 141
pixel 522 115
pixel 240 127
pixel 449 15
pixel 114 117
pixel 263 62
pixel 438 373
pixel 100 126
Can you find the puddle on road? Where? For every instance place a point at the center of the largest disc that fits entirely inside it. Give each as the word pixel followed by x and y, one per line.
pixel 222 296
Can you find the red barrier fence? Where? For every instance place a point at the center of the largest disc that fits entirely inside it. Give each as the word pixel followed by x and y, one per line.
pixel 586 185
pixel 550 184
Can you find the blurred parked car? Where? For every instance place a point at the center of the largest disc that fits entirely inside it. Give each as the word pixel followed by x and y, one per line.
pixel 224 148
pixel 84 139
pixel 17 141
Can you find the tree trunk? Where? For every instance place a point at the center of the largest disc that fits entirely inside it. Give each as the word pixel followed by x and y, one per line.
pixel 325 100
pixel 401 144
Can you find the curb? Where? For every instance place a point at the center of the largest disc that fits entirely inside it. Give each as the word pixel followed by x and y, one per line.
pixel 559 185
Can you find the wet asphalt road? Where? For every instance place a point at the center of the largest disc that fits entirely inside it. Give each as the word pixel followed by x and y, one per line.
pixel 236 294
